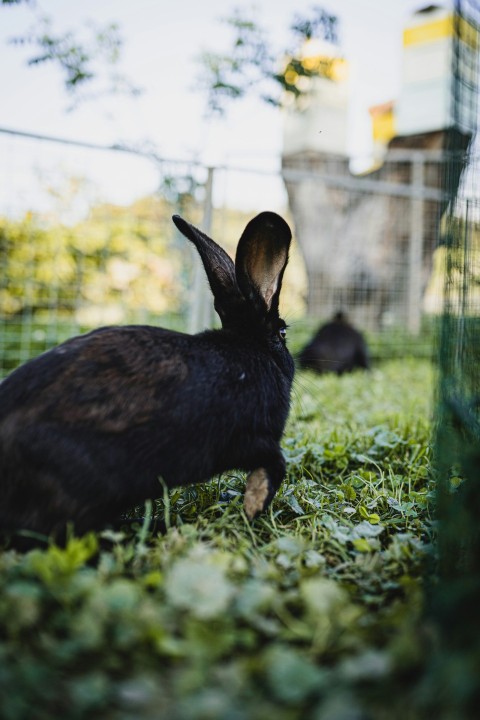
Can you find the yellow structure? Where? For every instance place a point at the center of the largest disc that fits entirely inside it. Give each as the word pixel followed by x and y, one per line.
pixel 383 122
pixel 424 104
pixel 429 31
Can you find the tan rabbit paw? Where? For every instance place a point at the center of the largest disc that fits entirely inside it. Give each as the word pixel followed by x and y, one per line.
pixel 257 492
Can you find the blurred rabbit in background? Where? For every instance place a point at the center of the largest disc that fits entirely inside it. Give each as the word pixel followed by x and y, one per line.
pixel 336 347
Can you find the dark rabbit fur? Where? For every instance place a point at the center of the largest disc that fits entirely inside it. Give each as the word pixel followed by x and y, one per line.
pixel 88 428
pixel 336 347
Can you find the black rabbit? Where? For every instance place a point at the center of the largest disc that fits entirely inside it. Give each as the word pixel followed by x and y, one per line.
pixel 89 427
pixel 336 347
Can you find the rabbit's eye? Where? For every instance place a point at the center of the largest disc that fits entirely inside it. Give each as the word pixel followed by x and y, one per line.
pixel 283 333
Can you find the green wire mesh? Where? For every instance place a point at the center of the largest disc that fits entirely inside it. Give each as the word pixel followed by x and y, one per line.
pixel 458 435
pixel 456 601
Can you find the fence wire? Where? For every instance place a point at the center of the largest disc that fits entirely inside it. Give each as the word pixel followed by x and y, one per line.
pixel 86 239
pixel 369 241
pixel 454 667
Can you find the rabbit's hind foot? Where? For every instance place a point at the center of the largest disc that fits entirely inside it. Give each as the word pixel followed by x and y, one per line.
pixel 258 493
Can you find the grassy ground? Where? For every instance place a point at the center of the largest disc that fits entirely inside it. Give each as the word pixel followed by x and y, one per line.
pixel 315 611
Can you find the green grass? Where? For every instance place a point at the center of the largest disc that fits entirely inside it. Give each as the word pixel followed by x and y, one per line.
pixel 314 611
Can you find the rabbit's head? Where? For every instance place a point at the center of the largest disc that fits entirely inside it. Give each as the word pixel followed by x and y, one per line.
pixel 246 292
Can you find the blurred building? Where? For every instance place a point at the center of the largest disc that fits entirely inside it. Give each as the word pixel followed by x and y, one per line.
pixel 368 240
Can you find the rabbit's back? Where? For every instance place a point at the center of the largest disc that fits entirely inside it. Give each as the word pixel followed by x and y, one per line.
pixel 87 428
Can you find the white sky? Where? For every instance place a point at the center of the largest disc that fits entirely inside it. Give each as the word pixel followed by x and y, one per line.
pixel 163 39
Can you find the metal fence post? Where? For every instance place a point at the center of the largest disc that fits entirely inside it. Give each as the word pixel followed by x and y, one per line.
pixel 415 247
pixel 201 305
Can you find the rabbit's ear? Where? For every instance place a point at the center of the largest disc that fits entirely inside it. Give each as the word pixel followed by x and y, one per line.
pixel 262 255
pixel 218 265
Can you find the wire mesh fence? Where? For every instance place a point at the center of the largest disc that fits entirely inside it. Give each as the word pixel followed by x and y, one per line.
pixel 369 241
pixel 86 239
pixel 459 346
pixel 454 668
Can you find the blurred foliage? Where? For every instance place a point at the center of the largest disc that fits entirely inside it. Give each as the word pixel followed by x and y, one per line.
pixel 117 258
pixel 457 266
pixel 314 612
pixel 87 57
pixel 182 191
pixel 119 264
pixel 251 64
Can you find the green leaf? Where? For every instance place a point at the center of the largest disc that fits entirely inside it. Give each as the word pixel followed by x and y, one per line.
pixel 321 596
pixel 56 563
pixel 371 517
pixel 367 529
pixel 198 586
pixel 291 677
pixel 362 545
